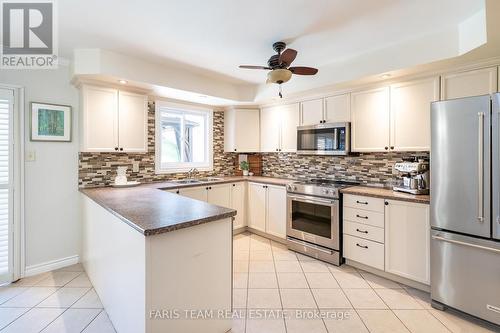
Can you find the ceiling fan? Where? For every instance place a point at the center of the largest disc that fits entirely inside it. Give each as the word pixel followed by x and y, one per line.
pixel 278 64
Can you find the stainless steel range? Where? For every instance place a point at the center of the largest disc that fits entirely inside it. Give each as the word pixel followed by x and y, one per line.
pixel 314 217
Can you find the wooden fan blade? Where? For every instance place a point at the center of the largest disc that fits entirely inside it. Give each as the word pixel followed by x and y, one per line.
pixel 303 70
pixel 288 56
pixel 254 67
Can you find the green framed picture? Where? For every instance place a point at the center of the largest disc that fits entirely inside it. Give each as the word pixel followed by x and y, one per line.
pixel 50 122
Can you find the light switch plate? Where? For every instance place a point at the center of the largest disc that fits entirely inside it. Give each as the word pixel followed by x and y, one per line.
pixel 135 167
pixel 30 156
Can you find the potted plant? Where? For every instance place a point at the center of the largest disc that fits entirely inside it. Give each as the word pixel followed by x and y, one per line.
pixel 245 166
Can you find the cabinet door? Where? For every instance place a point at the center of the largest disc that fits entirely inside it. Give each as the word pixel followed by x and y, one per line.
pixel 407 240
pixel 238 196
pixel 290 115
pixel 338 109
pixel 220 195
pixel 133 122
pixel 471 83
pixel 276 211
pixel 257 206
pixel 270 129
pixel 411 114
pixel 197 193
pixel 370 120
pixel 99 119
pixel 241 130
pixel 312 112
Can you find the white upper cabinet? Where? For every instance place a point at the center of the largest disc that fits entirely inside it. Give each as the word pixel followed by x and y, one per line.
pixel 278 131
pixel 337 109
pixel 471 83
pixel 99 125
pixel 132 113
pixel 312 112
pixel 407 241
pixel 270 129
pixel 241 130
pixel 290 115
pixel 370 120
pixel 410 114
pixel 113 121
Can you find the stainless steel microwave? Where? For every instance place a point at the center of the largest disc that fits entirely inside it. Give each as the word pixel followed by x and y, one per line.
pixel 324 139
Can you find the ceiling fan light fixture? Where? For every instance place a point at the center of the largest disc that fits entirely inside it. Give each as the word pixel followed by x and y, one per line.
pixel 279 76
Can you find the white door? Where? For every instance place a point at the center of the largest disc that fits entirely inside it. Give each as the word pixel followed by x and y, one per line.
pixel 290 115
pixel 411 114
pixel 407 240
pixel 238 204
pixel 370 120
pixel 471 83
pixel 276 211
pixel 312 112
pixel 100 119
pixel 338 109
pixel 197 193
pixel 6 185
pixel 270 129
pixel 133 122
pixel 257 206
pixel 219 195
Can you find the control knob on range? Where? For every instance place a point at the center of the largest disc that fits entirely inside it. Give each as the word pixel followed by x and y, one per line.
pixel 326 191
pixel 292 187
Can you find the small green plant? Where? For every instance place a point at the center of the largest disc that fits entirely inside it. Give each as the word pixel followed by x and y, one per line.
pixel 244 165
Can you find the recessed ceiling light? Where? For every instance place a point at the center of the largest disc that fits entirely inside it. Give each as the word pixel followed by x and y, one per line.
pixel 123 81
pixel 386 76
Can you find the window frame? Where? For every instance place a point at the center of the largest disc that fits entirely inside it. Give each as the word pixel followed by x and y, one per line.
pixel 183 166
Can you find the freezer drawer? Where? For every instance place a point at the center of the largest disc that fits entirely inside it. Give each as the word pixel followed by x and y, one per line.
pixel 465 274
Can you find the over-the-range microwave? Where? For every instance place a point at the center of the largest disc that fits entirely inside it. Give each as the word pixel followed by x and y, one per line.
pixel 324 139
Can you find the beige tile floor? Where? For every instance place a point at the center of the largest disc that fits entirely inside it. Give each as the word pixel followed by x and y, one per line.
pixel 269 281
pixel 270 277
pixel 61 301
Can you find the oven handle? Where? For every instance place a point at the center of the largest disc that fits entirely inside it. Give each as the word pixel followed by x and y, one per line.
pixel 313 201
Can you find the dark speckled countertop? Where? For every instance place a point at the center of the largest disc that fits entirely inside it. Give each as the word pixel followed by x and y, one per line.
pixel 151 210
pixel 385 193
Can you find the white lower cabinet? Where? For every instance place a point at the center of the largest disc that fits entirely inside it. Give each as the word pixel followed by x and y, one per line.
pixel 389 235
pixel 219 195
pixel 407 240
pixel 197 193
pixel 267 209
pixel 238 200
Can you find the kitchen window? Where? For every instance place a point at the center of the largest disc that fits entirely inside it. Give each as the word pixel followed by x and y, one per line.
pixel 183 138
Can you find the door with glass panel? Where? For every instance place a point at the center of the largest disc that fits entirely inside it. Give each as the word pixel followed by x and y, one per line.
pixel 6 185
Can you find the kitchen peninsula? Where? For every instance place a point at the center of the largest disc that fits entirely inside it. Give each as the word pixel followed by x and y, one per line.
pixel 150 253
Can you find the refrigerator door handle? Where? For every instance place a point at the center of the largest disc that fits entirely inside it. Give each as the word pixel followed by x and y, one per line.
pixel 437 237
pixel 480 166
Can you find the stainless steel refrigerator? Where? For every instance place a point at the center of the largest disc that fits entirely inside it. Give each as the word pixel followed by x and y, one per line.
pixel 465 205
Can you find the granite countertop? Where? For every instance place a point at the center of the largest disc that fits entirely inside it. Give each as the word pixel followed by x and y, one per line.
pixel 151 210
pixel 386 193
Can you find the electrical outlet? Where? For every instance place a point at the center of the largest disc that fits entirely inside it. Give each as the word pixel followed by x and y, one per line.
pixel 30 156
pixel 135 167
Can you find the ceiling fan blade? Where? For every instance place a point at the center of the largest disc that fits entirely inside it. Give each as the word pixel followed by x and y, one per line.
pixel 303 70
pixel 254 67
pixel 288 56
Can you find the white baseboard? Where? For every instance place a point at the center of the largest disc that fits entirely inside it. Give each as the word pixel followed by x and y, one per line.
pixel 51 265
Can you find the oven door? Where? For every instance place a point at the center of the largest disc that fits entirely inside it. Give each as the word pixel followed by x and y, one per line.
pixel 314 220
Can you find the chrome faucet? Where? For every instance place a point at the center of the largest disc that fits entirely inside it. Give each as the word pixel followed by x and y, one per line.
pixel 192 173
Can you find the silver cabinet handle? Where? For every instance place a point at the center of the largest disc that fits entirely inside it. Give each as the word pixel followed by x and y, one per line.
pixel 466 244
pixel 480 166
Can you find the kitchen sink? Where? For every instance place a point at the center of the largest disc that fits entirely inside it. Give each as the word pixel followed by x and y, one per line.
pixel 187 181
pixel 210 179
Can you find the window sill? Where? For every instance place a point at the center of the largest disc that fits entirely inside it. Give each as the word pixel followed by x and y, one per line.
pixel 181 170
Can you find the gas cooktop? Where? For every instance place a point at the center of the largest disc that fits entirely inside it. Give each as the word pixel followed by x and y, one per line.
pixel 327 188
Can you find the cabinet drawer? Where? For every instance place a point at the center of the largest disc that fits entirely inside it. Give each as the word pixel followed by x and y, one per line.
pixel 364 231
pixel 366 203
pixel 364 251
pixel 364 217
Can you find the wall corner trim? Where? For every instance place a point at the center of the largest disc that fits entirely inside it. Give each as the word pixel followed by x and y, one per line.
pixel 51 265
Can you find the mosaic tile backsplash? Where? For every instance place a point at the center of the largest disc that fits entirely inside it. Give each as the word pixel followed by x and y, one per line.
pixel 99 169
pixel 366 168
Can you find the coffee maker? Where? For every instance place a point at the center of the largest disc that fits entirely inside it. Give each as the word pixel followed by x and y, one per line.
pixel 414 176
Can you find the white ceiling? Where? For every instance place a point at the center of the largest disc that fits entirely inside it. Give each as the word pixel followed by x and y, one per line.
pixel 214 37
